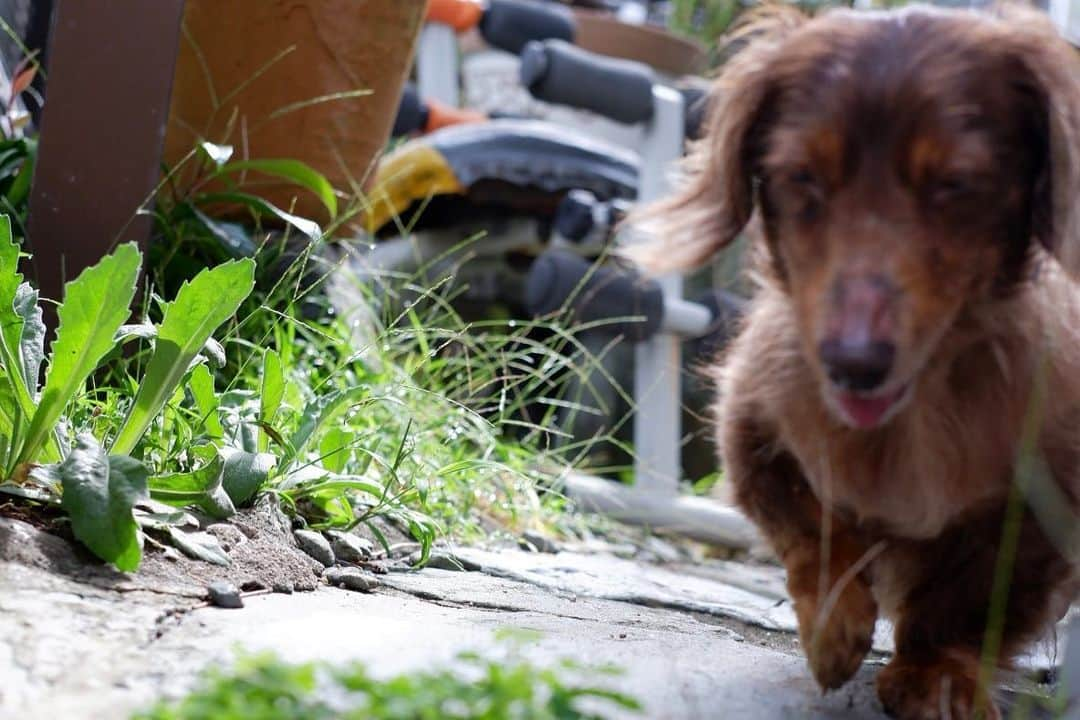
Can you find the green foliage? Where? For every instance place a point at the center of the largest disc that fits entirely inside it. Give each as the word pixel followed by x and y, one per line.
pixel 191 232
pixel 437 424
pixel 263 688
pixel 99 494
pixel 17 159
pixel 95 306
pixel 100 491
pixel 704 20
pixel 200 307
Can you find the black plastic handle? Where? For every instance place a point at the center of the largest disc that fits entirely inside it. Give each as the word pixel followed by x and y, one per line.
pixel 511 24
pixel 696 104
pixel 558 277
pixel 412 113
pixel 557 72
pixel 728 310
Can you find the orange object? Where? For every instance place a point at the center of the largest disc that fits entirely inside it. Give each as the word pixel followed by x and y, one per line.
pixel 602 33
pixel 440 116
pixel 461 15
pixel 312 80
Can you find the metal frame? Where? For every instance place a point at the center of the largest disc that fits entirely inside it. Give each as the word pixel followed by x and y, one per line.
pixel 654 499
pixel 658 362
pixel 1066 15
pixel 1070 674
pixel 437 62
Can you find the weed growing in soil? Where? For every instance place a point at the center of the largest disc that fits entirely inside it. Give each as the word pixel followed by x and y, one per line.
pixel 440 425
pixel 264 688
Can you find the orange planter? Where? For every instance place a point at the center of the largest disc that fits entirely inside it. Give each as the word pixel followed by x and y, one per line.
pixel 602 33
pixel 251 73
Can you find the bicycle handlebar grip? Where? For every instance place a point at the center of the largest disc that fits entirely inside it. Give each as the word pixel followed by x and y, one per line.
pixel 461 15
pixel 557 72
pixel 558 279
pixel 511 24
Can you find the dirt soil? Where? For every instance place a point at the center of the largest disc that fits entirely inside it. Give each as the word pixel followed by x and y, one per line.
pixel 258 541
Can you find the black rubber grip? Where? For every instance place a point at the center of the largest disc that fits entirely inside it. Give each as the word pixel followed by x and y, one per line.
pixel 511 24
pixel 728 310
pixel 561 280
pixel 557 72
pixel 696 104
pixel 574 216
pixel 412 113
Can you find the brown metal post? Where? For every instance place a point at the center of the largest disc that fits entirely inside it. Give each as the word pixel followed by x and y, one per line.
pixel 110 70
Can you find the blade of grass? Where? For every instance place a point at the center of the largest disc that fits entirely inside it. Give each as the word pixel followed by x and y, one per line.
pixel 294 171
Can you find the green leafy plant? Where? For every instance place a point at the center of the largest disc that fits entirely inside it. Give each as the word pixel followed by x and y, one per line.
pixel 39 454
pixel 191 232
pixel 264 688
pixel 423 423
pixel 17 159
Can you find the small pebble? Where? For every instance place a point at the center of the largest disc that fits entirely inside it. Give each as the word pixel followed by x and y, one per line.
pixel 283 586
pixel 535 541
pixel 403 549
pixel 351 579
pixel 171 554
pixel 224 595
pixel 315 545
pixel 350 548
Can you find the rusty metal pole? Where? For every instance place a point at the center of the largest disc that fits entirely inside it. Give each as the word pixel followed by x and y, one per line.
pixel 110 71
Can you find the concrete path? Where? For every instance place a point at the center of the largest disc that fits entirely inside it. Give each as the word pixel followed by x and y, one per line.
pixel 709 639
pixel 98 654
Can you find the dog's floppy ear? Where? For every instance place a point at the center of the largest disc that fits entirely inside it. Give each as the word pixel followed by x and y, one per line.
pixel 716 197
pixel 1054 69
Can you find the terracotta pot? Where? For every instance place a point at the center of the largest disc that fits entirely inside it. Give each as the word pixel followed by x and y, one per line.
pixel 248 71
pixel 602 33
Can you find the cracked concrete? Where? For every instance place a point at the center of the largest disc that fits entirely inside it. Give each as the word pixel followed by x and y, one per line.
pixel 77 652
pixel 697 641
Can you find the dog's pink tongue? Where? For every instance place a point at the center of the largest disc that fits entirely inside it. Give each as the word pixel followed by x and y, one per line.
pixel 866 412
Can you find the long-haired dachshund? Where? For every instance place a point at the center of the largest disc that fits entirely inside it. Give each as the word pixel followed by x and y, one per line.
pixel 900 414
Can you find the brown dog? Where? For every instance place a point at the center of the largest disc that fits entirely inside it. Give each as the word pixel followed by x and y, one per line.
pixel 916 175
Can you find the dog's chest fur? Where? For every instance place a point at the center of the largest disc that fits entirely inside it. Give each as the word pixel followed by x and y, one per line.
pixel 951 450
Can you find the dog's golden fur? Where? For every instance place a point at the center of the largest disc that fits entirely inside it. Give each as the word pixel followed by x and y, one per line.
pixel 938 152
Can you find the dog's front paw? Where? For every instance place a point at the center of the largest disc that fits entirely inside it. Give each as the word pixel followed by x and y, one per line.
pixel 941 690
pixel 836 641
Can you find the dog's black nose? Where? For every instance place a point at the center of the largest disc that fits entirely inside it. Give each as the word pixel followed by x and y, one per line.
pixel 860 367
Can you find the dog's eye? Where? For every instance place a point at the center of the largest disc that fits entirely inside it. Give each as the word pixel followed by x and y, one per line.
pixel 807 191
pixel 803 178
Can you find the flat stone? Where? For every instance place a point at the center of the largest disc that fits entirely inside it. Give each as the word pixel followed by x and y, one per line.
pixel 611 578
pixel 315 545
pixel 224 595
pixel 441 560
pixel 351 578
pixel 350 547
